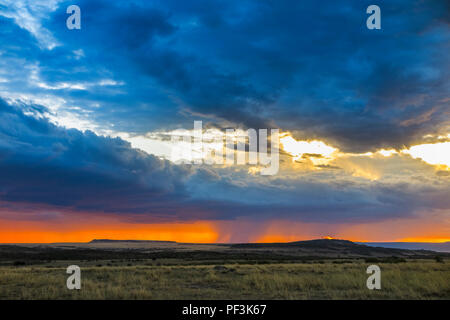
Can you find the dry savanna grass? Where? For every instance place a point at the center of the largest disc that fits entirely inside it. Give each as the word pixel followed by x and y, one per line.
pixel 420 279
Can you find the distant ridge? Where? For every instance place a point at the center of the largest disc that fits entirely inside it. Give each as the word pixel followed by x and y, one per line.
pixel 129 241
pixel 316 243
pixel 440 247
pixel 336 247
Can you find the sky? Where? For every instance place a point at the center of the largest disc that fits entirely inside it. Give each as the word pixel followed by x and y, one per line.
pixel 87 116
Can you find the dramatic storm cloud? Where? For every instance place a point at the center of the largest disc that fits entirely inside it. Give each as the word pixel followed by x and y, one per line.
pixel 43 163
pixel 310 68
pixel 49 165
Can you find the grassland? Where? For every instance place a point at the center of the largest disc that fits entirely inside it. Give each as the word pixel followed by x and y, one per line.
pixel 174 279
pixel 317 269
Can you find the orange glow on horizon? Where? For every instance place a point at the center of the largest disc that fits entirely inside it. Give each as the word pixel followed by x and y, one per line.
pixel 395 230
pixel 277 238
pixel 426 239
pixel 274 238
pixel 198 232
pixel 77 229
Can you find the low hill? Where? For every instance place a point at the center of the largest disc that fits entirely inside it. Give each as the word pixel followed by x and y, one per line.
pixel 332 248
pixel 109 241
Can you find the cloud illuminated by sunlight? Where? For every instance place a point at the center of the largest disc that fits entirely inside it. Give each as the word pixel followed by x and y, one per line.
pixel 319 153
pixel 315 149
pixel 435 154
pixel 387 153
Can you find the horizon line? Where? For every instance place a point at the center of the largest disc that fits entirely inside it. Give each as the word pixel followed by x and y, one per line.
pixel 251 242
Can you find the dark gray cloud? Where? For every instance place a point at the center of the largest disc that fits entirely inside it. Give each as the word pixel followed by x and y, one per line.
pixel 311 68
pixel 43 163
